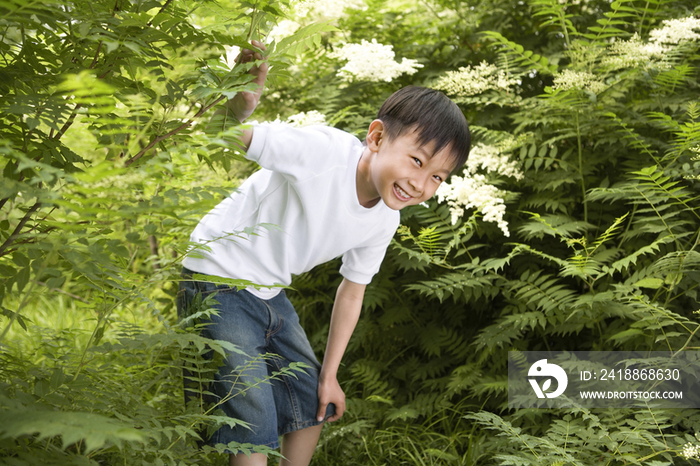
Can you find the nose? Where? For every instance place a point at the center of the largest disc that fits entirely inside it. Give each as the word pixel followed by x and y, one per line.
pixel 418 185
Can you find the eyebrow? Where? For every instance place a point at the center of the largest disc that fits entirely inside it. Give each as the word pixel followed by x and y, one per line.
pixel 421 148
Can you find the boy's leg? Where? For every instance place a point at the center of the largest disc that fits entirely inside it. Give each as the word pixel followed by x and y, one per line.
pixel 298 446
pixel 296 396
pixel 240 385
pixel 241 459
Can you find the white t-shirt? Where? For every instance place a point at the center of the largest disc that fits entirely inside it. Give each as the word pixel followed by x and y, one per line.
pixel 306 190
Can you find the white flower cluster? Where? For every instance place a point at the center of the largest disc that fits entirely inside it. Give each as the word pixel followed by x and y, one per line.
pixel 570 79
pixel 691 451
pixel 491 159
pixel 472 191
pixel 470 80
pixel 328 9
pixel 634 52
pixel 676 31
pixel 372 61
pixel 313 117
pixel 696 157
pixel 283 29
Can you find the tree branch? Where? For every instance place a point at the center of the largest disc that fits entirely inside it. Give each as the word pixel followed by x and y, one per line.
pixel 97 54
pixel 153 245
pixel 21 178
pixel 162 9
pixel 74 296
pixel 8 242
pixel 71 118
pixel 172 133
pixel 68 123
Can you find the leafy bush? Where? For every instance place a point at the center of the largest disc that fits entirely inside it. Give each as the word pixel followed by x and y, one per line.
pixel 106 170
pixel 602 122
pixel 586 127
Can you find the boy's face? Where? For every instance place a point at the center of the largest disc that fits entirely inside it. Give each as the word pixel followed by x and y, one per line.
pixel 402 171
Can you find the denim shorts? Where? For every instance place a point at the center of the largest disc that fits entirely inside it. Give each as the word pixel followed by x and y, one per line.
pixel 258 326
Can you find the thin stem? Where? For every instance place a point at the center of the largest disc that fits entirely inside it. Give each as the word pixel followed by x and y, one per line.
pixel 692 334
pixel 253 18
pixel 629 224
pixel 641 22
pixel 562 20
pixel 580 169
pixel 658 214
pixel 97 55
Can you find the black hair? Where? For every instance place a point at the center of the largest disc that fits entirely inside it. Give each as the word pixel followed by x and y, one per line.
pixel 432 115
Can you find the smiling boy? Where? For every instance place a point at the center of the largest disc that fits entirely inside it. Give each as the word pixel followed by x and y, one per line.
pixel 328 195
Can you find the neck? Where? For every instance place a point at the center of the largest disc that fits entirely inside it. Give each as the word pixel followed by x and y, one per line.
pixel 367 195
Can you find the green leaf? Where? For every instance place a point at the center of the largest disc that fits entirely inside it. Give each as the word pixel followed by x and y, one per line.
pixel 96 430
pixel 653 283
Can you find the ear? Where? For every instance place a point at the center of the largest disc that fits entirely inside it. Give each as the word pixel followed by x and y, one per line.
pixel 375 135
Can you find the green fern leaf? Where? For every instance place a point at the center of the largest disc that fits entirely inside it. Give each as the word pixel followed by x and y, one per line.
pixel 96 430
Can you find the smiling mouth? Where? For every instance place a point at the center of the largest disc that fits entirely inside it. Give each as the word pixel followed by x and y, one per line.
pixel 401 194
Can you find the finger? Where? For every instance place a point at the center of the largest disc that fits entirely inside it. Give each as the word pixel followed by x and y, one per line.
pixel 244 56
pixel 258 44
pixel 321 413
pixel 338 414
pixel 339 411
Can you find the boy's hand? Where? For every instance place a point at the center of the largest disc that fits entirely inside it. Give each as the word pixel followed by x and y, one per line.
pixel 329 391
pixel 243 104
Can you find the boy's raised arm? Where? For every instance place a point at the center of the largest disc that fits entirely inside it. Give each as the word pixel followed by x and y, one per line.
pixel 242 105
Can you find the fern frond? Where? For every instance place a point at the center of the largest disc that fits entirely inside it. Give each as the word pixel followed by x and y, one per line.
pixel 457 285
pixel 542 291
pixel 654 179
pixel 462 378
pixel 562 226
pixel 305 38
pixel 557 17
pixel 626 262
pixel 437 339
pixel 525 59
pixel 634 140
pixel 491 385
pixel 615 23
pixel 497 335
pixel 677 262
pixel 371 375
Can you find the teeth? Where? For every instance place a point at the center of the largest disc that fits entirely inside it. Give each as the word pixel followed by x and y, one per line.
pixel 402 192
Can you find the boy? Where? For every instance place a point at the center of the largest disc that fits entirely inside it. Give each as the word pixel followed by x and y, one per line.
pixel 328 195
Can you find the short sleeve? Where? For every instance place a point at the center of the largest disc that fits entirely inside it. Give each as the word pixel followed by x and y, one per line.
pixel 360 264
pixel 299 153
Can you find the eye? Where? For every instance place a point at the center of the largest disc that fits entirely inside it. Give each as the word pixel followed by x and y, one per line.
pixel 437 178
pixel 420 164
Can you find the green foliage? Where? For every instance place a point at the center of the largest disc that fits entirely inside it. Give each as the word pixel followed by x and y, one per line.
pixel 107 164
pixel 604 222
